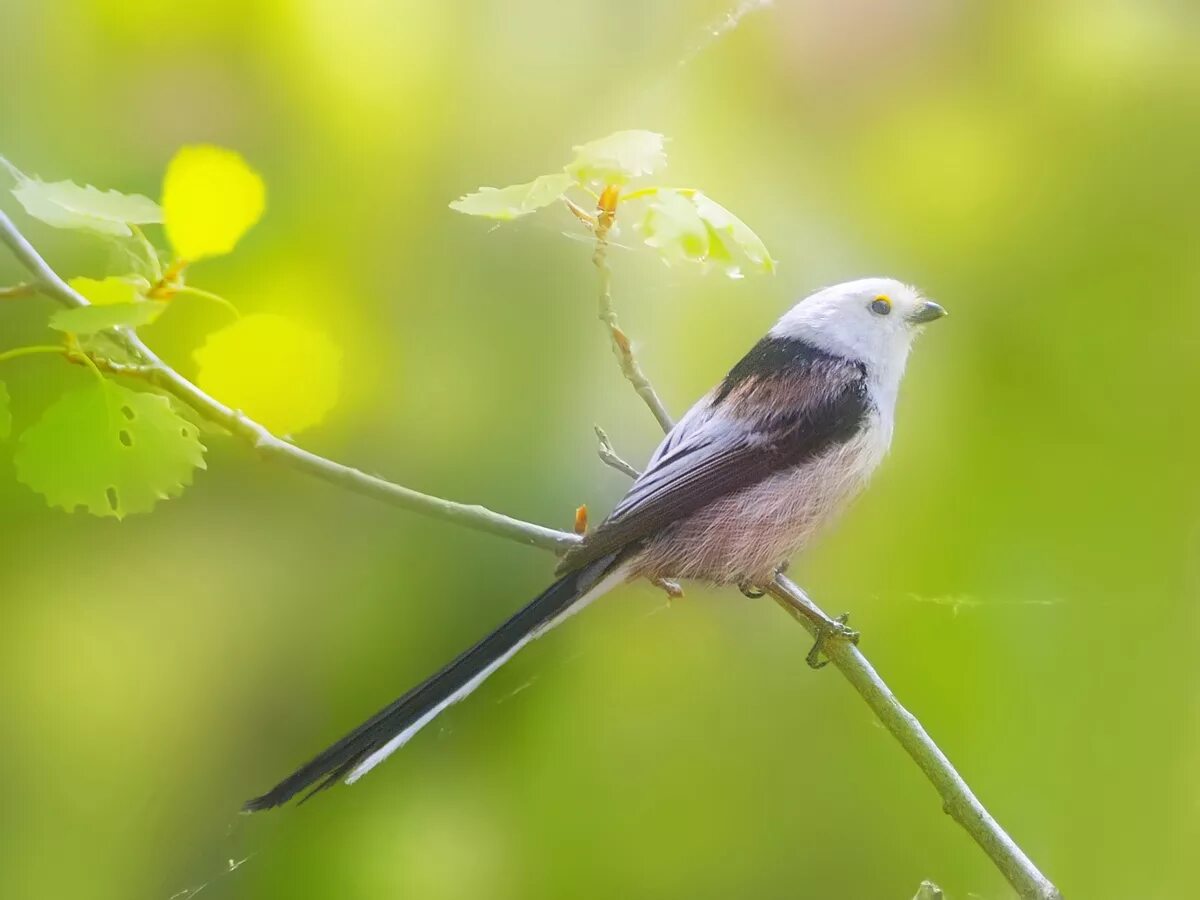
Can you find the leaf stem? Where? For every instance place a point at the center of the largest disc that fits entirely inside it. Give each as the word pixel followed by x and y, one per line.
pixel 149 252
pixel 188 291
pixel 32 350
pixel 76 352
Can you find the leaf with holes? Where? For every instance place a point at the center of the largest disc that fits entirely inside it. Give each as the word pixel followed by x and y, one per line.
pixel 90 319
pixel 279 372
pixel 618 158
pixel 211 197
pixel 5 413
pixel 113 451
pixel 65 204
pixel 515 200
pixel 689 225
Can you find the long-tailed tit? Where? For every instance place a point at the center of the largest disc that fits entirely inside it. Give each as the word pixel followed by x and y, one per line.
pixel 744 481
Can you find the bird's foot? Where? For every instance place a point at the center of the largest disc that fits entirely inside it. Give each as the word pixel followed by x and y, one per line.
pixel 753 591
pixel 832 630
pixel 673 589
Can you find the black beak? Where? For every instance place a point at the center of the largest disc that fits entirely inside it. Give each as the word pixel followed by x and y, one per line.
pixel 927 312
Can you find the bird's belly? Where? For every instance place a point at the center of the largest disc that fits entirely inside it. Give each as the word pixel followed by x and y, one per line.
pixel 747 535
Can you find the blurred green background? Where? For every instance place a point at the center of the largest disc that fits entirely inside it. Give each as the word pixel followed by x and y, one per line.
pixel 1025 568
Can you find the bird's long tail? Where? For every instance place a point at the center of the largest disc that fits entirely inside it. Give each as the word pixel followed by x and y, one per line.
pixel 391 728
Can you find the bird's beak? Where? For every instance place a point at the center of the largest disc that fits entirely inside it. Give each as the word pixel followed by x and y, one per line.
pixel 927 312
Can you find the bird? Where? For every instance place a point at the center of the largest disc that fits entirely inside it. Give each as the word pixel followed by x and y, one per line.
pixel 740 484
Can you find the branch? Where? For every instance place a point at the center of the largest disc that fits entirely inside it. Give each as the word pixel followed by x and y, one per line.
pixel 605 214
pixel 958 800
pixel 158 373
pixel 610 457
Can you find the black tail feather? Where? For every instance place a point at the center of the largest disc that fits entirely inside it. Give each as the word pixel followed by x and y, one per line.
pixel 332 764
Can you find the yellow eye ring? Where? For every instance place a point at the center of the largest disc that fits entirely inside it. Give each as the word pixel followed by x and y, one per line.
pixel 881 305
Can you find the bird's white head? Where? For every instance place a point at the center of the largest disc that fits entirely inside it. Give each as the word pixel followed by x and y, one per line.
pixel 871 320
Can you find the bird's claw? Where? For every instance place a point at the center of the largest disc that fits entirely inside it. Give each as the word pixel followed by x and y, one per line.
pixel 753 591
pixel 835 630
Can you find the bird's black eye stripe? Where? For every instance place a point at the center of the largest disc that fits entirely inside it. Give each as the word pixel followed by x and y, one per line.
pixel 881 306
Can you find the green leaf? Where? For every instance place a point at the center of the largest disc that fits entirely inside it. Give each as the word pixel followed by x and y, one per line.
pixel 515 200
pixel 111 450
pixel 689 225
pixel 111 290
pixel 618 158
pixel 673 227
pixel 726 228
pixel 5 413
pixel 90 319
pixel 65 204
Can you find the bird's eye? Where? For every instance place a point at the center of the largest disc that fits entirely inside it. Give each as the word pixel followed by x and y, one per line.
pixel 881 305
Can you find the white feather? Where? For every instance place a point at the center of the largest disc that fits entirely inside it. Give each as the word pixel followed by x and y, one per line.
pixel 839 320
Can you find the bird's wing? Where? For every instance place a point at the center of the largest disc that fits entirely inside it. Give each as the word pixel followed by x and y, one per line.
pixel 732 440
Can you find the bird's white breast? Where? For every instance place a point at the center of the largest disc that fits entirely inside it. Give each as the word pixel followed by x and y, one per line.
pixel 746 535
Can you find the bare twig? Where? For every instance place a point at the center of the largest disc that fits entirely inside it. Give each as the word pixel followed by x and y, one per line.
pixel 267 444
pixel 605 213
pixel 609 456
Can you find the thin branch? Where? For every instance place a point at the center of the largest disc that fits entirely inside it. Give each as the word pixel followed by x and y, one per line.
pixel 609 456
pixel 622 349
pixel 267 444
pixel 958 800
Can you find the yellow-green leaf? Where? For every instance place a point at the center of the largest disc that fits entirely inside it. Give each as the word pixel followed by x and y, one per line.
pixel 90 319
pixel 279 372
pixel 730 230
pixel 673 227
pixel 689 225
pixel 65 204
pixel 110 450
pixel 111 290
pixel 5 413
pixel 618 158
pixel 516 199
pixel 211 197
